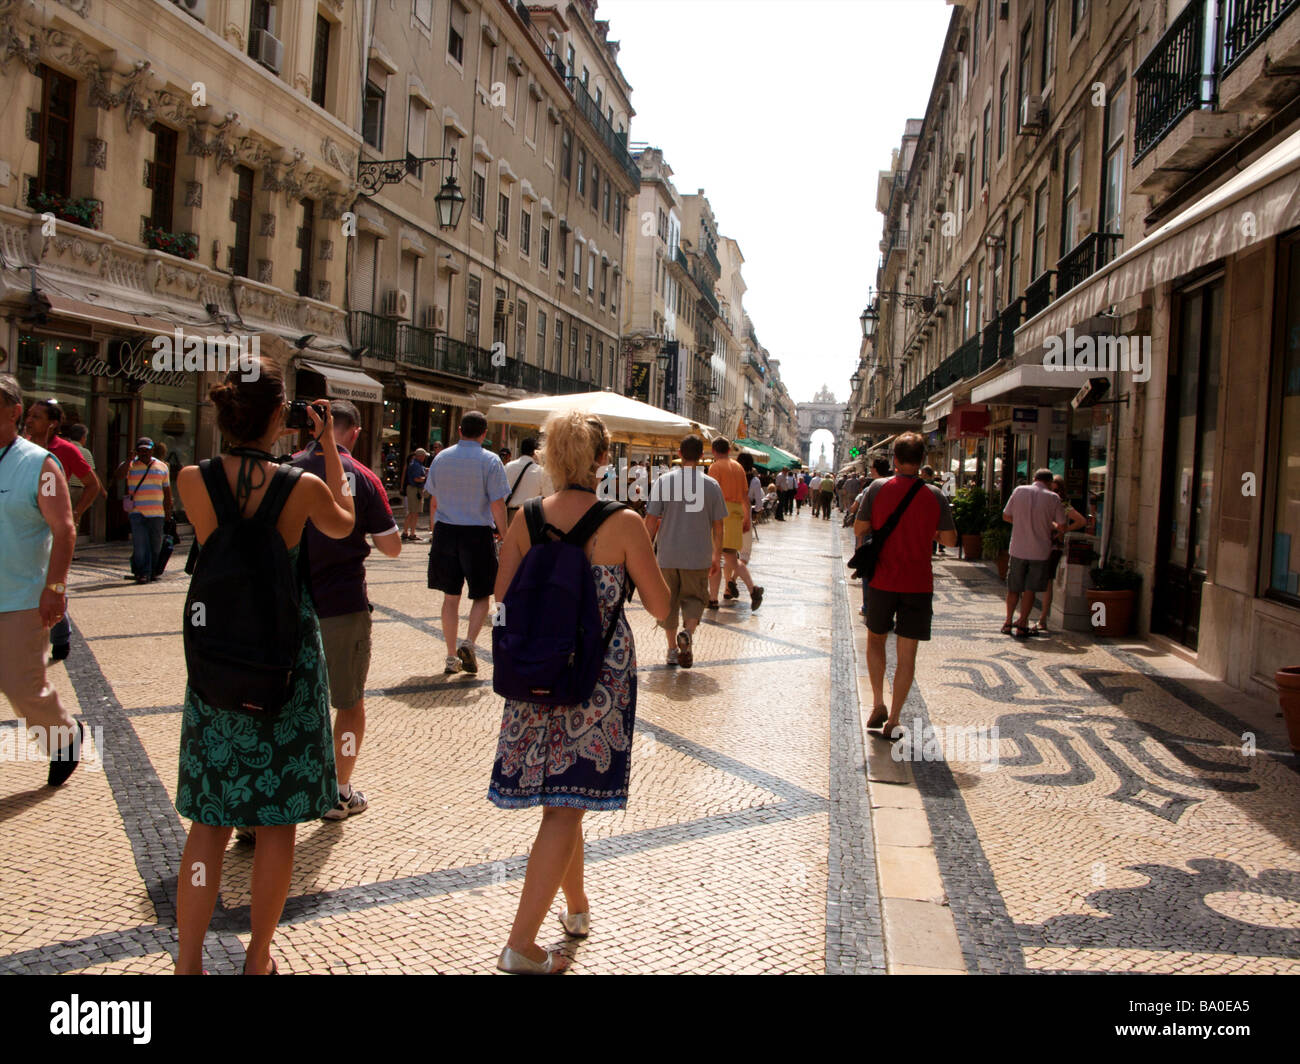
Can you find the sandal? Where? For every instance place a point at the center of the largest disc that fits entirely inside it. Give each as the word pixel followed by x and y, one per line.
pixel 1039 629
pixel 1021 632
pixel 1006 629
pixel 892 735
pixel 878 717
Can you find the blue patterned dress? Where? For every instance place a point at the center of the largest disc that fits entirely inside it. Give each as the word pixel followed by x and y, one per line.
pixel 578 756
pixel 240 770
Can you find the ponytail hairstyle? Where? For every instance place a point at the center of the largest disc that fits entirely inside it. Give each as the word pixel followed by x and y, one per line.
pixel 573 443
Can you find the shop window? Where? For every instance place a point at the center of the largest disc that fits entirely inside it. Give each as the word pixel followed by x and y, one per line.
pixel 1284 570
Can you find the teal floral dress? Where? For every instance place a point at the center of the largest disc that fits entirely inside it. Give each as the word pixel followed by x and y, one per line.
pixel 238 770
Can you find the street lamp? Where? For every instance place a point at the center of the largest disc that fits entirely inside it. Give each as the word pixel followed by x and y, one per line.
pixel 374 174
pixel 855 382
pixel 869 318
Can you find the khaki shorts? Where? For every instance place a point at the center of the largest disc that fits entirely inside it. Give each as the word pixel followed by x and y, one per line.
pixel 733 526
pixel 688 591
pixel 746 544
pixel 347 656
pixel 414 501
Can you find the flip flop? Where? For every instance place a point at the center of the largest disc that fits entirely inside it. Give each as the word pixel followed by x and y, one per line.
pixel 878 717
pixel 1006 629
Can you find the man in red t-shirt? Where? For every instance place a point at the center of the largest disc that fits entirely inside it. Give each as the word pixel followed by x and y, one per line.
pixel 902 587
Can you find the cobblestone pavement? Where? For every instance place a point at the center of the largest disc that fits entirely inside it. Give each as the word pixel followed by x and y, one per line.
pixel 1120 828
pixel 1131 815
pixel 730 858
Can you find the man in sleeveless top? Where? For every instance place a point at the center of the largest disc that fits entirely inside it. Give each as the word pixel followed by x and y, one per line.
pixel 38 534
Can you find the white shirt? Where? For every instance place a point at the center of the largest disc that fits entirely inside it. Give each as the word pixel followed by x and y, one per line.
pixel 533 484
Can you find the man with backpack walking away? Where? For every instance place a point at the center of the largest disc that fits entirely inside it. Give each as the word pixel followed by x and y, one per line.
pixel 684 518
pixel 467 489
pixel 908 513
pixel 338 589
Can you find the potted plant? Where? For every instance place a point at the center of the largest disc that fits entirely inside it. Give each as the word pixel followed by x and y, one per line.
pixel 1111 597
pixel 81 211
pixel 997 543
pixel 1288 696
pixel 970 515
pixel 184 245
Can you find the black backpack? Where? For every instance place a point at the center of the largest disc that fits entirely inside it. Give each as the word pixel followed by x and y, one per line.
pixel 242 628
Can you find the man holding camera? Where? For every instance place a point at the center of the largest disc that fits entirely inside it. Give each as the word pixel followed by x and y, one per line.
pixel 338 588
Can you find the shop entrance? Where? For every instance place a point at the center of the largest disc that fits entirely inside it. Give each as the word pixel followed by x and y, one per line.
pixel 1191 436
pixel 121 445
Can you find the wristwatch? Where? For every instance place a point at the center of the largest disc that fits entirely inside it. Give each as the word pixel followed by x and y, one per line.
pixel 58 589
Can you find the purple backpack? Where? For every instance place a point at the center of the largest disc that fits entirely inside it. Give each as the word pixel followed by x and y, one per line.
pixel 548 645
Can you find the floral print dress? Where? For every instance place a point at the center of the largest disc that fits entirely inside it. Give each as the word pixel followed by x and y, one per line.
pixel 240 770
pixel 579 756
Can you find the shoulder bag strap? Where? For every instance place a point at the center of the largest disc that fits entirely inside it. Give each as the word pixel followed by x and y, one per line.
pixel 515 486
pixel 536 521
pixel 146 472
pixel 892 522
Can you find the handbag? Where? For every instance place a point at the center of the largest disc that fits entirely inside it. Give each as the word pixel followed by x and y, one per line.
pixel 866 557
pixel 128 502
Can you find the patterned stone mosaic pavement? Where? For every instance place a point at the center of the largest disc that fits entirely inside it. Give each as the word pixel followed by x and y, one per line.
pixel 1118 828
pixel 735 854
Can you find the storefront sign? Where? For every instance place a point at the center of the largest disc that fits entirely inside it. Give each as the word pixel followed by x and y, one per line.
pixel 640 386
pixel 1024 419
pixel 128 360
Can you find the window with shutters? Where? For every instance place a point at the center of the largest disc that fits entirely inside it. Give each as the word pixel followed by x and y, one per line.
pixel 54 132
pixel 456 33
pixel 242 216
pixel 526 231
pixel 162 178
pixel 320 64
pixel 473 296
pixel 544 247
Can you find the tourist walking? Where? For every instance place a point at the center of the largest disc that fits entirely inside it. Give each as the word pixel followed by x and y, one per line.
pixel 826 493
pixel 467 489
pixel 779 484
pixel 801 493
pixel 572 759
pixel 731 478
pixel 527 479
pixel 270 769
pixel 413 484
pixel 684 519
pixel 902 586
pixel 1035 513
pixel 338 590
pixel 1073 522
pixel 37 537
pixel 148 502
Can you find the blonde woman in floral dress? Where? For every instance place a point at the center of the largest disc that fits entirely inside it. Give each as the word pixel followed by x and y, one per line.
pixel 569 759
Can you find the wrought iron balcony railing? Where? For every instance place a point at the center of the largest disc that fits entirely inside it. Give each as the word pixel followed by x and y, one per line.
pixel 1246 23
pixel 1085 259
pixel 1038 294
pixel 1171 80
pixel 372 331
pixel 615 142
pixel 711 255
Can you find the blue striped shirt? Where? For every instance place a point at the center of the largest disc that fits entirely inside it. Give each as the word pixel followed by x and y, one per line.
pixel 465 480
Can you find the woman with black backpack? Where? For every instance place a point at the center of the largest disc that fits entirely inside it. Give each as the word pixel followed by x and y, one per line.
pixel 571 758
pixel 256 746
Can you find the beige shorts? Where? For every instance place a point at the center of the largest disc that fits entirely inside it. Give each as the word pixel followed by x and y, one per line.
pixel 746 544
pixel 347 656
pixel 414 500
pixel 688 593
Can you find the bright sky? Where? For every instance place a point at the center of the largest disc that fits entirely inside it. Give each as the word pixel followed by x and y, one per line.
pixel 784 113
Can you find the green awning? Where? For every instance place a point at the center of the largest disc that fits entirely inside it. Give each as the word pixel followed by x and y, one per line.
pixel 777 459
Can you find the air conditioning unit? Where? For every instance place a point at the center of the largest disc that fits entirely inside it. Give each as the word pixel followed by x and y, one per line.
pixel 1031 114
pixel 504 308
pixel 433 318
pixel 268 51
pixel 197 9
pixel 397 303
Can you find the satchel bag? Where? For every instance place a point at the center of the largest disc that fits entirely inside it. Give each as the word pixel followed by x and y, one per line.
pixel 866 557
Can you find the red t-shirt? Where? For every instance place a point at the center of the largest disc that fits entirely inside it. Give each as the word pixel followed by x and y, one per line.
pixel 70 457
pixel 904 563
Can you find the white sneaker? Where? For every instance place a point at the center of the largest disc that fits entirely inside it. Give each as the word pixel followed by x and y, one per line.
pixel 452 665
pixel 353 805
pixel 672 656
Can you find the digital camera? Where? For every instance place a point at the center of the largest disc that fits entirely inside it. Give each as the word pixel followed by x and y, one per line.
pixel 298 418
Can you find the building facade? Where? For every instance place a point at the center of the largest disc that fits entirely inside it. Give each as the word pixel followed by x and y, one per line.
pixel 1086 220
pixel 171 166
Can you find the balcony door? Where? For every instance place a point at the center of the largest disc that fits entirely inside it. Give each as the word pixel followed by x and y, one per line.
pixel 1190 447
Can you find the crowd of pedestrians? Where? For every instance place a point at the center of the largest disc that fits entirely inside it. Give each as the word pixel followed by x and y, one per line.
pixel 257 764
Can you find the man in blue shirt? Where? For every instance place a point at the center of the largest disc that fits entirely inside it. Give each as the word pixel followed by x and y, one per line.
pixel 467 489
pixel 37 534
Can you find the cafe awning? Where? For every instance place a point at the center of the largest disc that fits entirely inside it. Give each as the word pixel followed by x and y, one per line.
pixel 774 458
pixel 433 396
pixel 938 408
pixel 1033 384
pixel 1255 205
pixel 628 420
pixel 895 425
pixel 343 383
